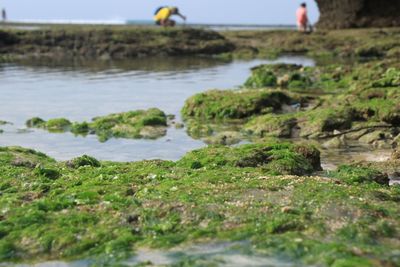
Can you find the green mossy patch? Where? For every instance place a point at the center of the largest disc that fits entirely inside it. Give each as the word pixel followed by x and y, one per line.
pixel 275 159
pixel 357 175
pixel 299 78
pixel 131 124
pixel 271 125
pixel 358 102
pixel 82 161
pixel 336 44
pixel 225 105
pixel 149 124
pixel 52 125
pixel 111 42
pixel 103 213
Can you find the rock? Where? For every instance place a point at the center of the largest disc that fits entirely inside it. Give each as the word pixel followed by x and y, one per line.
pixel 224 138
pixel 230 104
pixel 35 122
pixel 396 141
pixel 372 137
pixel 356 135
pixel 21 162
pixel 357 175
pixel 381 144
pixel 271 126
pixel 396 154
pixel 83 161
pixel 337 142
pixel 283 81
pixel 179 125
pixel 153 132
pixel 337 14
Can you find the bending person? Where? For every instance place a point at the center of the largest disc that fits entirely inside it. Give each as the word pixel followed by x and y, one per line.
pixel 163 14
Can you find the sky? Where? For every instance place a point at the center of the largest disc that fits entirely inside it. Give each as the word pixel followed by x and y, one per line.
pixel 197 11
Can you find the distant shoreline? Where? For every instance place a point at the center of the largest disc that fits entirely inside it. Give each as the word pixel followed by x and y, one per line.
pixel 215 26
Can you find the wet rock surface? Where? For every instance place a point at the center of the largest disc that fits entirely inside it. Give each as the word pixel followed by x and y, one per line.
pixel 358 13
pixel 104 211
pixel 108 42
pixel 146 124
pixel 262 192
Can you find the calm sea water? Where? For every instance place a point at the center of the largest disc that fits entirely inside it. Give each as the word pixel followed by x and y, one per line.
pixel 81 90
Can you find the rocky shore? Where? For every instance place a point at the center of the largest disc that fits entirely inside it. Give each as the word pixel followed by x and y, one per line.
pixel 84 208
pixel 271 193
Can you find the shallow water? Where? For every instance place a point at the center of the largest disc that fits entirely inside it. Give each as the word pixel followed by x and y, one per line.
pixel 332 158
pixel 81 90
pixel 214 254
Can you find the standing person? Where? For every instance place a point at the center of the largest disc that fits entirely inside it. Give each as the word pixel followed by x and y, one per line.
pixel 302 18
pixel 163 14
pixel 4 15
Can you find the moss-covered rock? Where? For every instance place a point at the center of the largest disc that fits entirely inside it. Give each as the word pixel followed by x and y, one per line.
pixel 272 125
pixel 225 105
pixel 358 175
pixel 275 159
pixel 282 75
pixel 103 214
pixel 23 157
pixel 52 125
pixel 58 125
pixel 130 124
pixel 36 122
pixel 331 45
pixel 82 161
pixel 149 124
pixel 115 42
pixel 224 138
pixel 298 78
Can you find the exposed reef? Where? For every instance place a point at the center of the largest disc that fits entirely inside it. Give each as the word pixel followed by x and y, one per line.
pixel 339 14
pixel 104 211
pixel 322 45
pixel 123 42
pixel 332 104
pixel 147 124
pixel 110 42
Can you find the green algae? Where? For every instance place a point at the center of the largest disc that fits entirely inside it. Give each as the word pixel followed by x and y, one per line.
pixel 149 124
pixel 220 105
pixel 352 43
pixel 110 42
pixel 298 78
pixel 58 125
pixel 52 125
pixel 271 125
pixel 366 98
pixel 130 124
pixel 82 161
pixel 105 212
pixel 275 159
pixel 356 175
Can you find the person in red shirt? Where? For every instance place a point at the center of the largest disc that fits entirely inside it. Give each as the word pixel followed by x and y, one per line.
pixel 302 18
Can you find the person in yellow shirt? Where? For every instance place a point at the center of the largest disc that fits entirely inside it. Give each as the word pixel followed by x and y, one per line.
pixel 163 14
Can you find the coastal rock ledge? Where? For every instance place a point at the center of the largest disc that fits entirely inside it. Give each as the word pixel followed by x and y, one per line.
pixel 339 14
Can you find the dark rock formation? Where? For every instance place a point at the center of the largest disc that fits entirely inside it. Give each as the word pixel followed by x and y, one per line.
pixel 336 14
pixel 111 42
